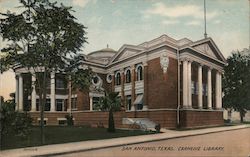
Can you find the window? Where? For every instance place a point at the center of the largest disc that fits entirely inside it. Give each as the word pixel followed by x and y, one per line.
pixel 73 103
pixel 60 84
pixel 194 88
pixel 118 79
pixel 95 80
pixel 139 102
pixel 44 122
pixel 48 83
pixel 95 102
pixel 59 104
pixel 139 73
pixel 204 89
pixel 128 76
pixel 47 105
pixel 62 122
pixel 37 105
pixel 129 103
pixel 109 78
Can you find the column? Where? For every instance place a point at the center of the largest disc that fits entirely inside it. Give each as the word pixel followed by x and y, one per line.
pixel 17 93
pixel 189 84
pixel 20 93
pixel 52 91
pixel 133 76
pixel 91 103
pixel 218 91
pixel 185 84
pixel 122 90
pixel 200 86
pixel 209 89
pixel 145 81
pixel 33 94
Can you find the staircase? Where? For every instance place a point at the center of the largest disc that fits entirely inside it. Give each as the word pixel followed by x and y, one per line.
pixel 142 123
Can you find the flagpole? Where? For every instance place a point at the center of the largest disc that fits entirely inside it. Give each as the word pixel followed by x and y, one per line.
pixel 205 20
pixel 249 24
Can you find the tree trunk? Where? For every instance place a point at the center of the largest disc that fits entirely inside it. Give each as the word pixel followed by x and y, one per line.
pixel 111 127
pixel 69 96
pixel 42 106
pixel 241 117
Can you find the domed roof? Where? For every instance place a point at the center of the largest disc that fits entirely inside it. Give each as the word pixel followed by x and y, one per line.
pixel 103 53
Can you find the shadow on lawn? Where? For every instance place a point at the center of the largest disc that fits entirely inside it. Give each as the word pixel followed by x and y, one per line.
pixel 65 134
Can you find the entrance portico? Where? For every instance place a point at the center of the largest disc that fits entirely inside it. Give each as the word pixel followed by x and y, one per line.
pixel 203 90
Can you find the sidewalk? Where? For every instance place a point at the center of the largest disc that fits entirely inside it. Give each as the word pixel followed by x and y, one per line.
pixel 97 144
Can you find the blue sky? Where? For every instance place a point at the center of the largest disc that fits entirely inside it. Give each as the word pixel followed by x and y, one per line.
pixel 118 22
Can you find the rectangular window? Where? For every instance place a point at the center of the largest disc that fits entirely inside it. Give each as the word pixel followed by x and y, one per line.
pixel 62 122
pixel 44 122
pixel 139 102
pixel 193 87
pixel 74 103
pixel 47 105
pixel 59 104
pixel 37 105
pixel 60 84
pixel 204 89
pixel 129 102
pixel 48 83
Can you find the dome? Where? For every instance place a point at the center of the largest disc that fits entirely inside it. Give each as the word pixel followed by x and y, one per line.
pixel 105 53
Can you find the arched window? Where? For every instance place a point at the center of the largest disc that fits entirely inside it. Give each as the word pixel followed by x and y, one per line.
pixel 139 73
pixel 128 76
pixel 118 79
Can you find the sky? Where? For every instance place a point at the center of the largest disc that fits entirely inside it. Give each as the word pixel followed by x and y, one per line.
pixel 118 22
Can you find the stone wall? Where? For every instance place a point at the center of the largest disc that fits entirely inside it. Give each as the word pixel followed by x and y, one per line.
pixel 192 118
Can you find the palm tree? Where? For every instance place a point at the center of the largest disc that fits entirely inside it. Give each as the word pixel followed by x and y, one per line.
pixel 111 103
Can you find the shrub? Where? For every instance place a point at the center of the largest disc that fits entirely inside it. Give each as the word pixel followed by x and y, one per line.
pixel 12 122
pixel 158 128
pixel 70 121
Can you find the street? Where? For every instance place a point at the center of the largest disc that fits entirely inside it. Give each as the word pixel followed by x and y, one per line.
pixel 235 143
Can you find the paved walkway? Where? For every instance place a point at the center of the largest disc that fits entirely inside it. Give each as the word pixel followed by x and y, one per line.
pixel 98 144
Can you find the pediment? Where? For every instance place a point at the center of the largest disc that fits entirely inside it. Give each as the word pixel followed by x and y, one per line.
pixel 205 48
pixel 209 48
pixel 126 52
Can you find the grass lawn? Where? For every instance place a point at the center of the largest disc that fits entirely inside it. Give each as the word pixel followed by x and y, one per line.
pixel 64 134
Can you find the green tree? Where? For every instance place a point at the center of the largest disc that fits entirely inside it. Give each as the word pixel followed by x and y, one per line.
pixel 236 84
pixel 111 103
pixel 44 38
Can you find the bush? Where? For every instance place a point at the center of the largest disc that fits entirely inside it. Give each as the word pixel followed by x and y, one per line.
pixel 158 128
pixel 12 122
pixel 70 121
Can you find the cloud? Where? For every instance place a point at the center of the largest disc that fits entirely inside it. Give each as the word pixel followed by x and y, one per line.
pixel 117 13
pixel 80 3
pixel 217 22
pixel 96 20
pixel 179 11
pixel 170 22
pixel 194 23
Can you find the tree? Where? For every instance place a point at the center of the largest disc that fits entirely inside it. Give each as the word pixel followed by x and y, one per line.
pixel 111 103
pixel 236 85
pixel 44 38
